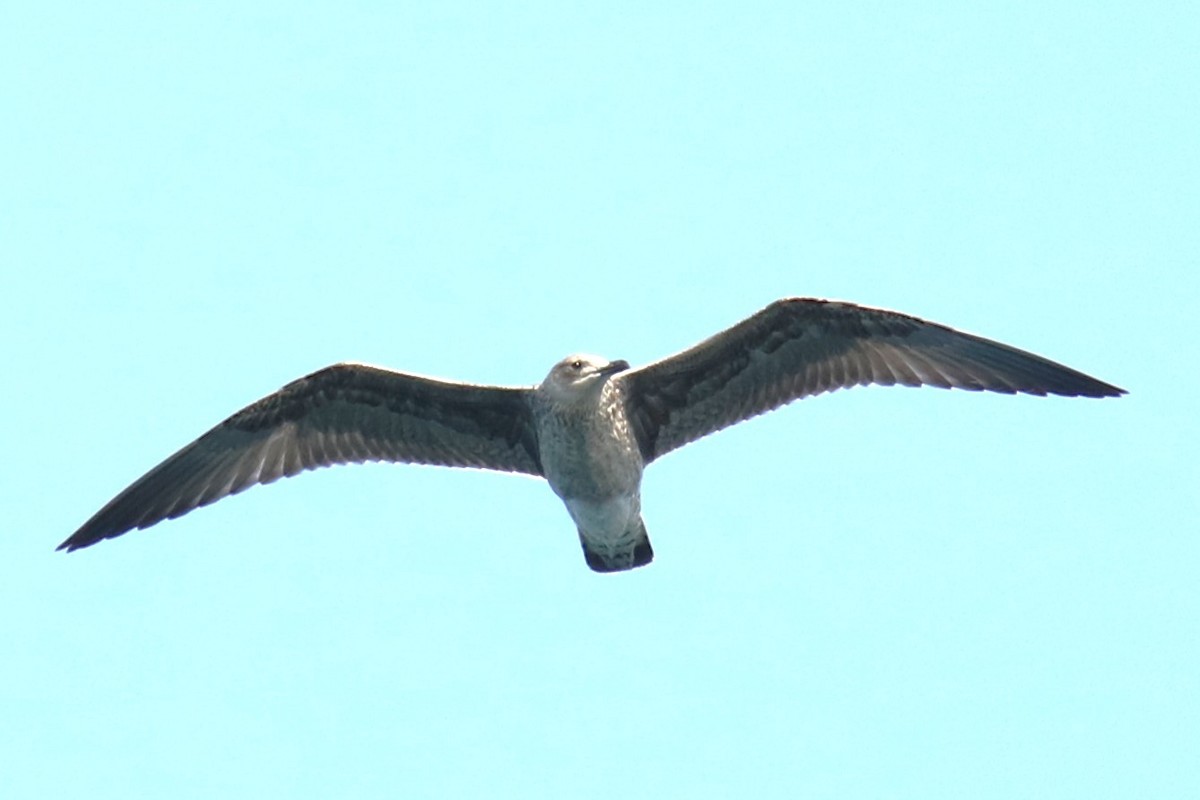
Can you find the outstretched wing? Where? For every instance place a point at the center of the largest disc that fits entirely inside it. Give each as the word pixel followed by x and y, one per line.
pixel 799 347
pixel 347 413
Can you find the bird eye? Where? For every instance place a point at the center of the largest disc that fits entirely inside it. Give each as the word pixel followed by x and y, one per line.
pixel 576 364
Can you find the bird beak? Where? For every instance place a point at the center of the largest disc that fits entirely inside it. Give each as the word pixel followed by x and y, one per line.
pixel 620 365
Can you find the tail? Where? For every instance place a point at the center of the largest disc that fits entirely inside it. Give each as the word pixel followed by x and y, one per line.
pixel 632 550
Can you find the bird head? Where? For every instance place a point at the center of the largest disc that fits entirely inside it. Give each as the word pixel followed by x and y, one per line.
pixel 576 376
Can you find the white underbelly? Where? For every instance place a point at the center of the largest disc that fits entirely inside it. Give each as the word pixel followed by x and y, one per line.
pixel 610 517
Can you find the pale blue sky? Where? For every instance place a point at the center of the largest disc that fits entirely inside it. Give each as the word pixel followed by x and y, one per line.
pixel 880 593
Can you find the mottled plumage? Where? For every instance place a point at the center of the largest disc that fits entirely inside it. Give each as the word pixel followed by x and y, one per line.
pixel 590 427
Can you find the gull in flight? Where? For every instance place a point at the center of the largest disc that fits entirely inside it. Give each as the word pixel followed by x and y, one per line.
pixel 590 428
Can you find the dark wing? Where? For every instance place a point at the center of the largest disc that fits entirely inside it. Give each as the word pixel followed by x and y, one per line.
pixel 347 413
pixel 799 347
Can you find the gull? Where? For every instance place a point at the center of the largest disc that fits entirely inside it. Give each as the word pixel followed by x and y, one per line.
pixel 590 427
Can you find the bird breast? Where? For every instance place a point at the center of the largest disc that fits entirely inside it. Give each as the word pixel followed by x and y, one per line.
pixel 588 450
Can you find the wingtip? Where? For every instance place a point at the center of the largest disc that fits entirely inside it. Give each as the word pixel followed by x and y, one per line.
pixel 74 542
pixel 1108 390
pixel 1084 385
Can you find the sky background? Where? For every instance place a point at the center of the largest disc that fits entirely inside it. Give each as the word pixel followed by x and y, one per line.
pixel 878 593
